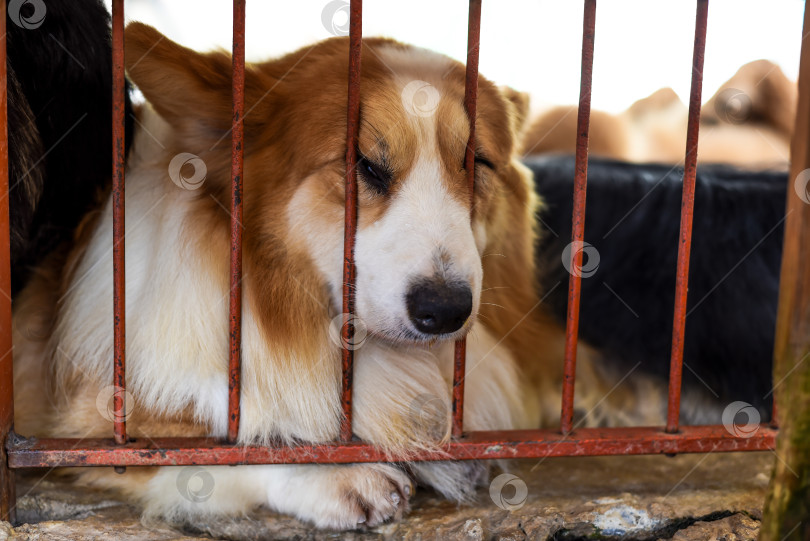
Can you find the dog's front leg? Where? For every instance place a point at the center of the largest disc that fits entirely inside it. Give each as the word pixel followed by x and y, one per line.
pixel 495 399
pixel 339 497
pixel 402 403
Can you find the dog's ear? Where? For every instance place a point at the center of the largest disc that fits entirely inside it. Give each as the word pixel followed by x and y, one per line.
pixel 776 103
pixel 519 109
pixel 758 93
pixel 183 86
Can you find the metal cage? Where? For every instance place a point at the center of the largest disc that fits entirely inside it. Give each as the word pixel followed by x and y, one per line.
pixel 120 451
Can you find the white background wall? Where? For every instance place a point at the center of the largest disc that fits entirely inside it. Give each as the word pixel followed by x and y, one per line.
pixel 641 45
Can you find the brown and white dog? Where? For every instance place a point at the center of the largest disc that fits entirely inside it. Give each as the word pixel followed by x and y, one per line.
pixel 429 271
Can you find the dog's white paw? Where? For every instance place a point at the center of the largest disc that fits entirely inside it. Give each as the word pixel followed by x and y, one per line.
pixel 355 496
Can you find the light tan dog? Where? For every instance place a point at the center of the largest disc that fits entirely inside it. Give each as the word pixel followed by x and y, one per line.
pixel 747 122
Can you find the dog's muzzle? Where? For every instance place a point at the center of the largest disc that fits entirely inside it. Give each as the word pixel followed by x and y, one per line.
pixel 436 306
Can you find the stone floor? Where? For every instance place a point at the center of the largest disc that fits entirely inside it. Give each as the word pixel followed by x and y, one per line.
pixel 690 497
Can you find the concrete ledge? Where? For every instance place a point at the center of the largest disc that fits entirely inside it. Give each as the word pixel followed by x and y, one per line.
pixel 689 497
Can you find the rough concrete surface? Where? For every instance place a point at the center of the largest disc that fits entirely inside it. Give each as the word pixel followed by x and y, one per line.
pixel 684 498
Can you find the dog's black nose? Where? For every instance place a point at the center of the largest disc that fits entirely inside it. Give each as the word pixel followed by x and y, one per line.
pixel 439 307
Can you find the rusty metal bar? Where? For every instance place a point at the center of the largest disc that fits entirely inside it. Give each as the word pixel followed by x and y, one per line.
pixel 787 506
pixel 793 316
pixel 578 218
pixel 7 489
pixel 687 208
pixel 470 103
pixel 475 445
pixel 459 369
pixel 237 169
pixel 793 323
pixel 119 279
pixel 350 217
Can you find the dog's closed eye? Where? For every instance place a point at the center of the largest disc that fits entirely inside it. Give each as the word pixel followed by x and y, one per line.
pixel 482 160
pixel 377 176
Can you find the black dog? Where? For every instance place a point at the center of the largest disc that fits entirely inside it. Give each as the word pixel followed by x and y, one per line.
pixel 60 121
pixel 632 221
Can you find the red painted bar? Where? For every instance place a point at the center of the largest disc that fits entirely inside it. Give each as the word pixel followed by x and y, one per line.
pixel 7 493
pixel 687 207
pixel 459 370
pixel 475 445
pixel 578 218
pixel 119 280
pixel 237 155
pixel 350 220
pixel 470 103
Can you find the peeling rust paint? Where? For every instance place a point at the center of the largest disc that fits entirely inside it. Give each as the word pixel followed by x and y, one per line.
pixel 119 279
pixel 237 169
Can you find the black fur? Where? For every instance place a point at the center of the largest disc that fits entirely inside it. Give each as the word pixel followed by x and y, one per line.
pixel 60 122
pixel 733 279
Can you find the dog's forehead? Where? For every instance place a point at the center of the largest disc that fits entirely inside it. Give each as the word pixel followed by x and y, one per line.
pixel 417 106
pixel 404 60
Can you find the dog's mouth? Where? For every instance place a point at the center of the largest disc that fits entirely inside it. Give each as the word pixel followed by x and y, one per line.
pixel 405 334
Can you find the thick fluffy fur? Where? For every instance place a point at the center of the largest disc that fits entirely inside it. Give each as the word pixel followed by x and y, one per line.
pixel 60 145
pixel 632 221
pixel 177 281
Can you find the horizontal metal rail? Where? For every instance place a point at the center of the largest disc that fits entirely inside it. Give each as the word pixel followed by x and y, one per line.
pixel 48 453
